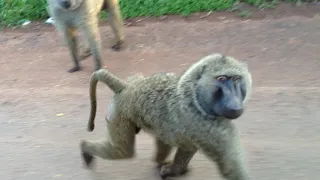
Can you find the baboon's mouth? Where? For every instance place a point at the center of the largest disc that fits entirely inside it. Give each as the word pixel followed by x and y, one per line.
pixel 233 110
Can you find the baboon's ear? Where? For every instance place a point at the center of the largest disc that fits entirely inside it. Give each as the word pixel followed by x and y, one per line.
pixel 201 71
pixel 223 60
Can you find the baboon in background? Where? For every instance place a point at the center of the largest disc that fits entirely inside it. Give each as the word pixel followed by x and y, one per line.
pixel 192 112
pixel 70 15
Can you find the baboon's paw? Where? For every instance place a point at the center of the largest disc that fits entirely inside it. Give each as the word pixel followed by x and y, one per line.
pixel 167 170
pixel 87 158
pixel 74 69
pixel 118 46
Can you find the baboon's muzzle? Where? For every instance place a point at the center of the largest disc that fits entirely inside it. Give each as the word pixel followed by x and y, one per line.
pixel 228 100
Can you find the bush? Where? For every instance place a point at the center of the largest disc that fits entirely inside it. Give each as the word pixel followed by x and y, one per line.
pixel 13 12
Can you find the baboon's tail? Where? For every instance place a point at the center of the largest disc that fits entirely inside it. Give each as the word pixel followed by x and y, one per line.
pixel 113 82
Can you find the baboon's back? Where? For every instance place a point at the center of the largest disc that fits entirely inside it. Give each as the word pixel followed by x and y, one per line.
pixel 149 98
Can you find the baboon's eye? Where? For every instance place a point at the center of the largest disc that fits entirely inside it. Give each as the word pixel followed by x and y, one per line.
pixel 221 78
pixel 235 78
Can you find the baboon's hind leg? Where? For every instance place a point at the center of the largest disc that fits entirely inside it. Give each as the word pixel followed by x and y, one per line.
pixel 118 145
pixel 179 166
pixel 116 22
pixel 85 54
pixel 92 33
pixel 71 39
pixel 84 49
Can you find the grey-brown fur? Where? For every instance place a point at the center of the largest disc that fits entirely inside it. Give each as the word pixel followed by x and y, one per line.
pixel 82 15
pixel 166 106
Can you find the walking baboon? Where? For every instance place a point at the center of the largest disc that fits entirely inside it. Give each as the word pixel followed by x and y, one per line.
pixel 72 15
pixel 193 111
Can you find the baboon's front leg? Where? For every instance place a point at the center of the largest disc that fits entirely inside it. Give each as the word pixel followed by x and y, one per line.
pixel 179 165
pixel 162 152
pixel 116 22
pixel 119 144
pixel 70 37
pixel 229 158
pixel 92 33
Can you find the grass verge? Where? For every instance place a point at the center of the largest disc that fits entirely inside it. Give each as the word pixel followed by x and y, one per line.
pixel 15 12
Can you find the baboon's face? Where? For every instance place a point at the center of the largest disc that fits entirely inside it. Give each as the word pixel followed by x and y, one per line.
pixel 222 93
pixel 228 96
pixel 69 4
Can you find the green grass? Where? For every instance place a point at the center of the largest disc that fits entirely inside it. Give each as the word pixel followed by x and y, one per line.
pixel 15 12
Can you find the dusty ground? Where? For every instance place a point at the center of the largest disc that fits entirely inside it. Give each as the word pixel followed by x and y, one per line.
pixel 44 109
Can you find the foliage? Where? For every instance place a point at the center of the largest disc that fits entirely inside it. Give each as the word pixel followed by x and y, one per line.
pixel 13 12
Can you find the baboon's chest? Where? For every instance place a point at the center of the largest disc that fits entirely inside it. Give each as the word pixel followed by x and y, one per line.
pixel 70 18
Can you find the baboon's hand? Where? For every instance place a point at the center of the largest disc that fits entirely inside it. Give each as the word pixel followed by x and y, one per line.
pixel 168 170
pixel 74 69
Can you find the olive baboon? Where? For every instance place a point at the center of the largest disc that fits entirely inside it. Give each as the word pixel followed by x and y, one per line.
pixel 191 112
pixel 70 15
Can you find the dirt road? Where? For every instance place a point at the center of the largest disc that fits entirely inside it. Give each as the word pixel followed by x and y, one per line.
pixel 44 109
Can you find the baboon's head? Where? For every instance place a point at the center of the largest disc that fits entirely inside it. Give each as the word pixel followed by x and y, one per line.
pixel 217 85
pixel 69 4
